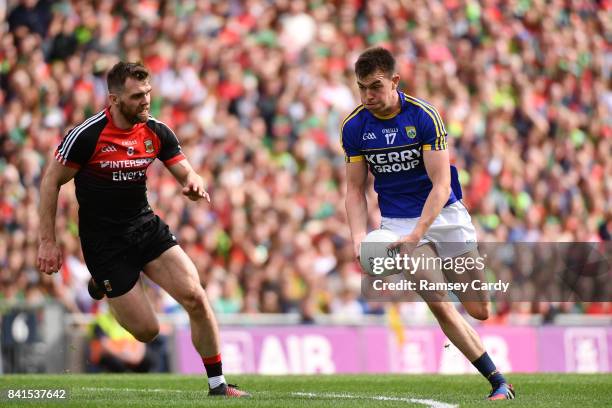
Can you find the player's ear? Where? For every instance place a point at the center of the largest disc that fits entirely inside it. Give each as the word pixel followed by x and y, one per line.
pixel 395 81
pixel 113 98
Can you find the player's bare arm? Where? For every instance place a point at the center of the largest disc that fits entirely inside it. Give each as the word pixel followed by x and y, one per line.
pixel 49 254
pixel 356 203
pixel 193 185
pixel 437 165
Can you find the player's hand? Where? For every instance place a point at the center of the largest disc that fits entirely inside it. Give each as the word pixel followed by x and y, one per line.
pixel 194 190
pixel 406 244
pixel 49 257
pixel 357 250
pixel 357 238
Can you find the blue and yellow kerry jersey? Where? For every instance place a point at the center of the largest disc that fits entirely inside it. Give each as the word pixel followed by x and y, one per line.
pixel 393 149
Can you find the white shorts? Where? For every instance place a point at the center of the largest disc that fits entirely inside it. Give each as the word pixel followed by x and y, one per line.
pixel 452 232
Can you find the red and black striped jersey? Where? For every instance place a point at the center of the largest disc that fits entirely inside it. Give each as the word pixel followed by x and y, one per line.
pixel 112 165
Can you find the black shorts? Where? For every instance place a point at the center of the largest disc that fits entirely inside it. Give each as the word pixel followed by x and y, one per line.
pixel 115 260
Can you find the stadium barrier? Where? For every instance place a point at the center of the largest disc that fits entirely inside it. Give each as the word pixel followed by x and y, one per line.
pixel 45 339
pixel 375 349
pixel 32 338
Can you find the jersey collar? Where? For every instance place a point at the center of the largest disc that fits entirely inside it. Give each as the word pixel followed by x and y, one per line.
pixel 112 123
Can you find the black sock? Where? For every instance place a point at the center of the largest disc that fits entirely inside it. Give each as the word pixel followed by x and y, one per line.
pixel 213 366
pixel 485 365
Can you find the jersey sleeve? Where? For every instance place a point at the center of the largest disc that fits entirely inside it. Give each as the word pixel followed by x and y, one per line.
pixel 79 144
pixel 432 131
pixel 349 133
pixel 170 150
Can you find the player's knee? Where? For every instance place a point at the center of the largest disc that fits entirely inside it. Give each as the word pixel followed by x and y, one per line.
pixel 147 333
pixel 443 311
pixel 479 310
pixel 194 301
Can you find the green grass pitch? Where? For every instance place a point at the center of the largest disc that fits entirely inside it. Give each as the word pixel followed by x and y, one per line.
pixel 337 391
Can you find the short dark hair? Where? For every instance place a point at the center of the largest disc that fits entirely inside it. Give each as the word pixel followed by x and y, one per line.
pixel 123 70
pixel 373 59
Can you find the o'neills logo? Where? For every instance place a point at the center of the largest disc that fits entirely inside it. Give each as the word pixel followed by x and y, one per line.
pixel 394 161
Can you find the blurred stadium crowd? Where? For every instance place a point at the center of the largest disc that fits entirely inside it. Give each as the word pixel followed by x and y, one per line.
pixel 256 91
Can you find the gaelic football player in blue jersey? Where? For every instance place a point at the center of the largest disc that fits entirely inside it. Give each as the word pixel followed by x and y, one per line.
pixel 402 141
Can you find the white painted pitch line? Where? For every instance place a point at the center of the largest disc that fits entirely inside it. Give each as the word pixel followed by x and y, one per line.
pixel 427 402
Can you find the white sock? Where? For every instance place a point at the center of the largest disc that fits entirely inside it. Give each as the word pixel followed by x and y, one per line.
pixel 214 382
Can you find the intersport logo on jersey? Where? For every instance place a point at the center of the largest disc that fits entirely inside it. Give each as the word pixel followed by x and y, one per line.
pixel 124 164
pixel 394 160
